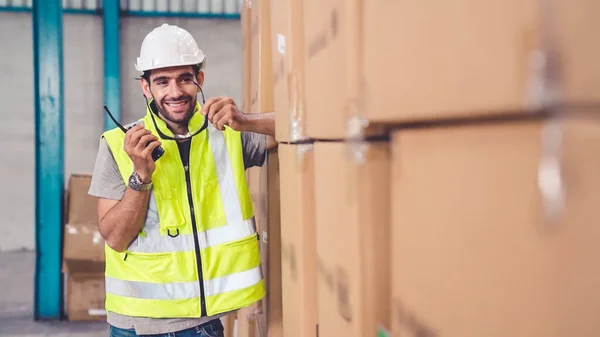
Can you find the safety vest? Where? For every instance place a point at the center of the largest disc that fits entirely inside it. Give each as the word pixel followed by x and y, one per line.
pixel 198 253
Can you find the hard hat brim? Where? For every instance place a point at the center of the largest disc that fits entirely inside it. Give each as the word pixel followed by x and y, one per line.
pixel 142 68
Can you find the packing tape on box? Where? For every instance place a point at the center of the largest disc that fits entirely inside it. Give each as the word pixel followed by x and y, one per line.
pixel 301 150
pixel 256 315
pixel 296 118
pixel 544 94
pixel 550 173
pixel 355 132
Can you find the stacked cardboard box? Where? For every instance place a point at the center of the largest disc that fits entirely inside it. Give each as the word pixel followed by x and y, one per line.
pixel 83 254
pixel 486 241
pixel 335 210
pixel 424 188
pixel 263 318
pixel 333 230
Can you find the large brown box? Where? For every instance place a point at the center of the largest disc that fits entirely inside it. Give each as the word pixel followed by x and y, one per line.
pixel 85 294
pixel 247 321
pixel 400 61
pixel 261 58
pixel 326 46
pixel 475 252
pixel 287 45
pixel 271 245
pixel 333 95
pixel 246 24
pixel 468 58
pixel 83 254
pixel 229 325
pixel 298 240
pixel 352 206
pixel 81 207
pixel 83 242
pixel 264 187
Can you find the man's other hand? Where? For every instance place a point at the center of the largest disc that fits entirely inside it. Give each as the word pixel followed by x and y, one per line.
pixel 222 111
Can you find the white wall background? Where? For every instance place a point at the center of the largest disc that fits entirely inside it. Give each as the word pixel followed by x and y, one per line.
pixel 83 94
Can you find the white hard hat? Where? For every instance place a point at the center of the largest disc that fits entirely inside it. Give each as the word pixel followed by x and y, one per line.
pixel 168 46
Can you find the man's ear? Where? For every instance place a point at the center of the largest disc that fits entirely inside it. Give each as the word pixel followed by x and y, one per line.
pixel 200 79
pixel 145 88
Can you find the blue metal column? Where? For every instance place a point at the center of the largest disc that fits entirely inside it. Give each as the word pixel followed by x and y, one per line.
pixel 112 90
pixel 49 156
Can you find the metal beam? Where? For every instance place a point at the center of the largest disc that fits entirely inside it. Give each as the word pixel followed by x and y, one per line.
pixel 112 89
pixel 49 156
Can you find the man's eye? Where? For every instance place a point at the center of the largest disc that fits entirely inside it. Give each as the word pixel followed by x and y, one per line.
pixel 185 80
pixel 161 82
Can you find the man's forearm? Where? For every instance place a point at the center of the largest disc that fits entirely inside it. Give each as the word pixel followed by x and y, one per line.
pixel 123 222
pixel 263 123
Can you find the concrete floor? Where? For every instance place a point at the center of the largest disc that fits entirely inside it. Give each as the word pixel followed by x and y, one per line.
pixel 16 303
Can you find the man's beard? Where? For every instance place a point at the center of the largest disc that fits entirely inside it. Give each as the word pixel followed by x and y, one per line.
pixel 186 117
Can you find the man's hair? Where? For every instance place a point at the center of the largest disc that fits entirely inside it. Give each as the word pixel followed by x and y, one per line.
pixel 196 67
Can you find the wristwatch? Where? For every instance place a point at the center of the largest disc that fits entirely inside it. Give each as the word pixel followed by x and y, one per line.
pixel 136 183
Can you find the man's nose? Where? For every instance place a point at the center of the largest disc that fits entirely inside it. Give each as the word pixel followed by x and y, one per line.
pixel 175 90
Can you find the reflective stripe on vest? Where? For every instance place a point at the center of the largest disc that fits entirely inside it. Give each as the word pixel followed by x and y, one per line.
pixel 146 285
pixel 183 290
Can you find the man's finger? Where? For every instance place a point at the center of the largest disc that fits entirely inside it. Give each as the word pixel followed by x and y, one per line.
pixel 131 130
pixel 220 123
pixel 145 139
pixel 147 152
pixel 132 135
pixel 220 127
pixel 208 103
pixel 137 134
pixel 226 118
pixel 214 109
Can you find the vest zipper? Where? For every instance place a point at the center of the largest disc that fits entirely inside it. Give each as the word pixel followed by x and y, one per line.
pixel 196 243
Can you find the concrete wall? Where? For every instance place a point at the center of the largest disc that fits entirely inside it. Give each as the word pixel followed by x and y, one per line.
pixel 83 90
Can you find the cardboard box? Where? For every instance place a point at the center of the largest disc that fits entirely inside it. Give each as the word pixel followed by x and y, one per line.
pixel 85 294
pixel 326 47
pixel 334 98
pixel 287 45
pixel 229 325
pixel 352 225
pixel 271 247
pixel 247 321
pixel 437 60
pixel 298 240
pixel 246 24
pixel 264 188
pixel 253 175
pixel 261 64
pixel 81 207
pixel 474 252
pixel 83 242
pixel 81 238
pixel 83 254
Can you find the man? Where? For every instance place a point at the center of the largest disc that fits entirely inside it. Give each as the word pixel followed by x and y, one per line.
pixel 181 245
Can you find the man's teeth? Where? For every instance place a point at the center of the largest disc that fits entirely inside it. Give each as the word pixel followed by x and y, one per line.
pixel 173 104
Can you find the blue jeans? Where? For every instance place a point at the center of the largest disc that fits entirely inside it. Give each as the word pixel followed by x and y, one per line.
pixel 213 328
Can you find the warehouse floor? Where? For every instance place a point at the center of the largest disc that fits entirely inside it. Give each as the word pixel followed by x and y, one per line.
pixel 16 303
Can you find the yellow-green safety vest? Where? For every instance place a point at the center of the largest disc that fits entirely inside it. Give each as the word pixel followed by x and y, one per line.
pixel 198 253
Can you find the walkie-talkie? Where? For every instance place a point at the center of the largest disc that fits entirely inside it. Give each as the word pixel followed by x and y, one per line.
pixel 156 153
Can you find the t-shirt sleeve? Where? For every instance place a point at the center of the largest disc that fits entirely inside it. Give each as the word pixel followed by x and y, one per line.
pixel 254 148
pixel 106 179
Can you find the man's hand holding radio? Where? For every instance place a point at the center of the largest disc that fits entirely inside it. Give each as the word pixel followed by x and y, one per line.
pixel 139 144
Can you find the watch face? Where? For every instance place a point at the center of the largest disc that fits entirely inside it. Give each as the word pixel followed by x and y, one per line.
pixel 134 181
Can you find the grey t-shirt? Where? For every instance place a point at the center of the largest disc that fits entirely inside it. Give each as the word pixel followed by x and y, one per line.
pixel 107 183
